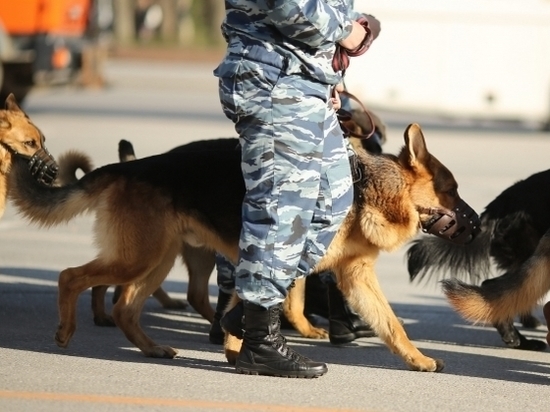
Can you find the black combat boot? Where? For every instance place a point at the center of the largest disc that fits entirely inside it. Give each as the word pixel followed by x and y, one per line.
pixel 264 350
pixel 216 334
pixel 344 325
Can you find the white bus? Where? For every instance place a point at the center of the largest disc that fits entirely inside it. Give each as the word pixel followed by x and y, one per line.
pixel 460 58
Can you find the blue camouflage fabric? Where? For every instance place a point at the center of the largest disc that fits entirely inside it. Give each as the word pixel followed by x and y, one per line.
pixel 297 37
pixel 275 84
pixel 225 274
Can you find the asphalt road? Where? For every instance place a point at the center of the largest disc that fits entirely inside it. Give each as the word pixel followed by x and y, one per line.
pixel 158 106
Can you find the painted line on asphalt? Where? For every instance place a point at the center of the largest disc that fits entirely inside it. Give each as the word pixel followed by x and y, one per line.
pixel 181 403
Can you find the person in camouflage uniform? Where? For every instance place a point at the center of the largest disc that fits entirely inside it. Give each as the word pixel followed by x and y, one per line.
pixel 276 83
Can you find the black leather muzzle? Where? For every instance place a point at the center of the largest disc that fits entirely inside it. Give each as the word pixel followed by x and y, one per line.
pixel 43 166
pixel 460 225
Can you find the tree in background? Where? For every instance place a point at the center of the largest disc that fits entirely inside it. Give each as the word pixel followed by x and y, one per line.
pixel 189 23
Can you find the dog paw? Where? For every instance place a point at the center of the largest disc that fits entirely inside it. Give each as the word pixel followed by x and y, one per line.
pixel 531 344
pixel 231 356
pixel 63 336
pixel 231 348
pixel 104 320
pixel 428 365
pixel 314 333
pixel 161 352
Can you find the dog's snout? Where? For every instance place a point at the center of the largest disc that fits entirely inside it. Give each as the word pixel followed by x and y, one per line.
pixel 461 225
pixel 43 166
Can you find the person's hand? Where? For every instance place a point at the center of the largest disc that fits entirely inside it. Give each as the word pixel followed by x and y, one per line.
pixel 374 25
pixel 335 99
pixel 357 43
pixel 355 38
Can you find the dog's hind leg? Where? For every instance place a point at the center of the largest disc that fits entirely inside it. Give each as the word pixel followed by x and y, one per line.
pixel 293 308
pixel 101 318
pixel 515 340
pixel 168 302
pixel 200 263
pixel 362 291
pixel 127 310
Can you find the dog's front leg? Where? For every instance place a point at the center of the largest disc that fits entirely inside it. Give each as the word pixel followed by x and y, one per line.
pixel 363 293
pixel 200 263
pixel 71 283
pixel 293 308
pixel 101 318
pixel 232 344
pixel 126 313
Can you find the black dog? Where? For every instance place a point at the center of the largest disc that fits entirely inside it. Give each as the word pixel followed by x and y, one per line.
pixel 512 225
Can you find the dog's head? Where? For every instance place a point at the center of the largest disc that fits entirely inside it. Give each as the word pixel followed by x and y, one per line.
pixel 434 191
pixel 20 137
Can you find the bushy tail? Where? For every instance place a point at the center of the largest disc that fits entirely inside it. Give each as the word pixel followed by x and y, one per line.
pixel 432 257
pixel 46 206
pixel 69 163
pixel 500 299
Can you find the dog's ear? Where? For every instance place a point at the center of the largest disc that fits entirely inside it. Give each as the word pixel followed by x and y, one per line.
pixel 11 103
pixel 12 106
pixel 416 144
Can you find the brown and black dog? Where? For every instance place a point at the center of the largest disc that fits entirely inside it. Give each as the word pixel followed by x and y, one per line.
pixel 512 225
pixel 200 262
pixel 148 210
pixel 18 137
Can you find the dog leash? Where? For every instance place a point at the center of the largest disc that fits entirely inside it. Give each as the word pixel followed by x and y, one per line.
pixel 341 59
pixel 345 116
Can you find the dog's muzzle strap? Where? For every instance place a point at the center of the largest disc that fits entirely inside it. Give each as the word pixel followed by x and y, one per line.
pixel 43 166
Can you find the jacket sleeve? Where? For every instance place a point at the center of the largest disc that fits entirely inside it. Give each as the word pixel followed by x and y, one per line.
pixel 311 22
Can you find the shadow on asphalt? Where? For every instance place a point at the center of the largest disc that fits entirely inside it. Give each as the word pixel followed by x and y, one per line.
pixel 28 310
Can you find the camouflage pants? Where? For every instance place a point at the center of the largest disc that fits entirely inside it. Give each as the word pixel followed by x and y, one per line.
pixel 296 172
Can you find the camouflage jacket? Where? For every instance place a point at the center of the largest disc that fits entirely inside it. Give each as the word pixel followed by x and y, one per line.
pixel 297 36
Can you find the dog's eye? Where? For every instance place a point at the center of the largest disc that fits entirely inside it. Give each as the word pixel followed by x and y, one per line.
pixel 30 143
pixel 452 192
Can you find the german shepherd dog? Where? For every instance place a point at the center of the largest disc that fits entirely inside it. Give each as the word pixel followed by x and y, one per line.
pixel 512 225
pixel 200 262
pixel 149 209
pixel 19 137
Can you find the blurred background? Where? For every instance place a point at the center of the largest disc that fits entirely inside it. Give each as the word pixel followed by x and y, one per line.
pixel 469 59
pixel 49 42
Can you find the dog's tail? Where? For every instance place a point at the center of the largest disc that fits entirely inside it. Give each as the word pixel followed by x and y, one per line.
pixel 500 299
pixel 69 163
pixel 49 206
pixel 126 151
pixel 433 257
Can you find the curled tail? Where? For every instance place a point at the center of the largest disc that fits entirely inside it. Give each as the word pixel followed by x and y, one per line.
pixel 433 257
pixel 500 299
pixel 44 205
pixel 69 163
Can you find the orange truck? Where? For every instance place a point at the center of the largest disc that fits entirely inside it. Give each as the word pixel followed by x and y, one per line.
pixel 41 42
